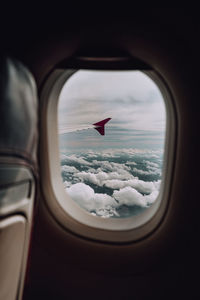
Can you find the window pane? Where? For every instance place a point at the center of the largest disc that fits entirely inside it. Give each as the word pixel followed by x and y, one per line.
pixel 111 170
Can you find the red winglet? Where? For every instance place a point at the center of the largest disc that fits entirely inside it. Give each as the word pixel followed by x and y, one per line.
pixel 100 126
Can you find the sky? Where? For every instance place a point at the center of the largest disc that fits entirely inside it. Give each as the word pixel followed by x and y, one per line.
pixel 130 98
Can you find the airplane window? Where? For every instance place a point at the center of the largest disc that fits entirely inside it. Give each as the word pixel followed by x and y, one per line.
pixel 111 139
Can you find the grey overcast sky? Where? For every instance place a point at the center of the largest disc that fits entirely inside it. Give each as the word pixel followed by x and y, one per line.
pixel 130 98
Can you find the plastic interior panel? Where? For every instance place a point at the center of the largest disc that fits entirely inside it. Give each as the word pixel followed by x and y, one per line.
pixel 12 237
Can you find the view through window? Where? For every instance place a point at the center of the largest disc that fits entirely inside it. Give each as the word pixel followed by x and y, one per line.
pixel 111 137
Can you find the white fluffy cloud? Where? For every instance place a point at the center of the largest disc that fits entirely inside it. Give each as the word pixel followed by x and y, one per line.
pixel 150 164
pixel 85 196
pixel 145 187
pixel 151 171
pixel 101 178
pixel 152 197
pixel 110 166
pixel 130 196
pixel 75 159
pixel 69 169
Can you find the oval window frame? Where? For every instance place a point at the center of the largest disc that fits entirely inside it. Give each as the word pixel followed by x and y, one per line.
pixel 69 214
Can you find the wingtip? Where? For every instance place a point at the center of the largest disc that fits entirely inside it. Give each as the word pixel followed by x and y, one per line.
pixel 102 122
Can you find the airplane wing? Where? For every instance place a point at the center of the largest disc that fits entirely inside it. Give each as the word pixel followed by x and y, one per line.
pixel 99 126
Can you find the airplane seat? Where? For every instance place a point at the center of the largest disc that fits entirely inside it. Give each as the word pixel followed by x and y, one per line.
pixel 18 173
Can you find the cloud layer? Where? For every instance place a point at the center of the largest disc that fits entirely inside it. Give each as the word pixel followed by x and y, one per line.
pixel 106 187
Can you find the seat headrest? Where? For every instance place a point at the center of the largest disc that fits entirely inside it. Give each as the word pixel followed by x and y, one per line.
pixel 18 111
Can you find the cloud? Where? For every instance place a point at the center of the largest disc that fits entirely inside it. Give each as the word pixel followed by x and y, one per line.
pixel 152 197
pixel 110 166
pixel 85 196
pixel 130 197
pixel 69 169
pixel 67 184
pixel 75 159
pixel 115 153
pixel 130 152
pixel 101 178
pixel 150 164
pixel 131 163
pixel 144 187
pixel 151 171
